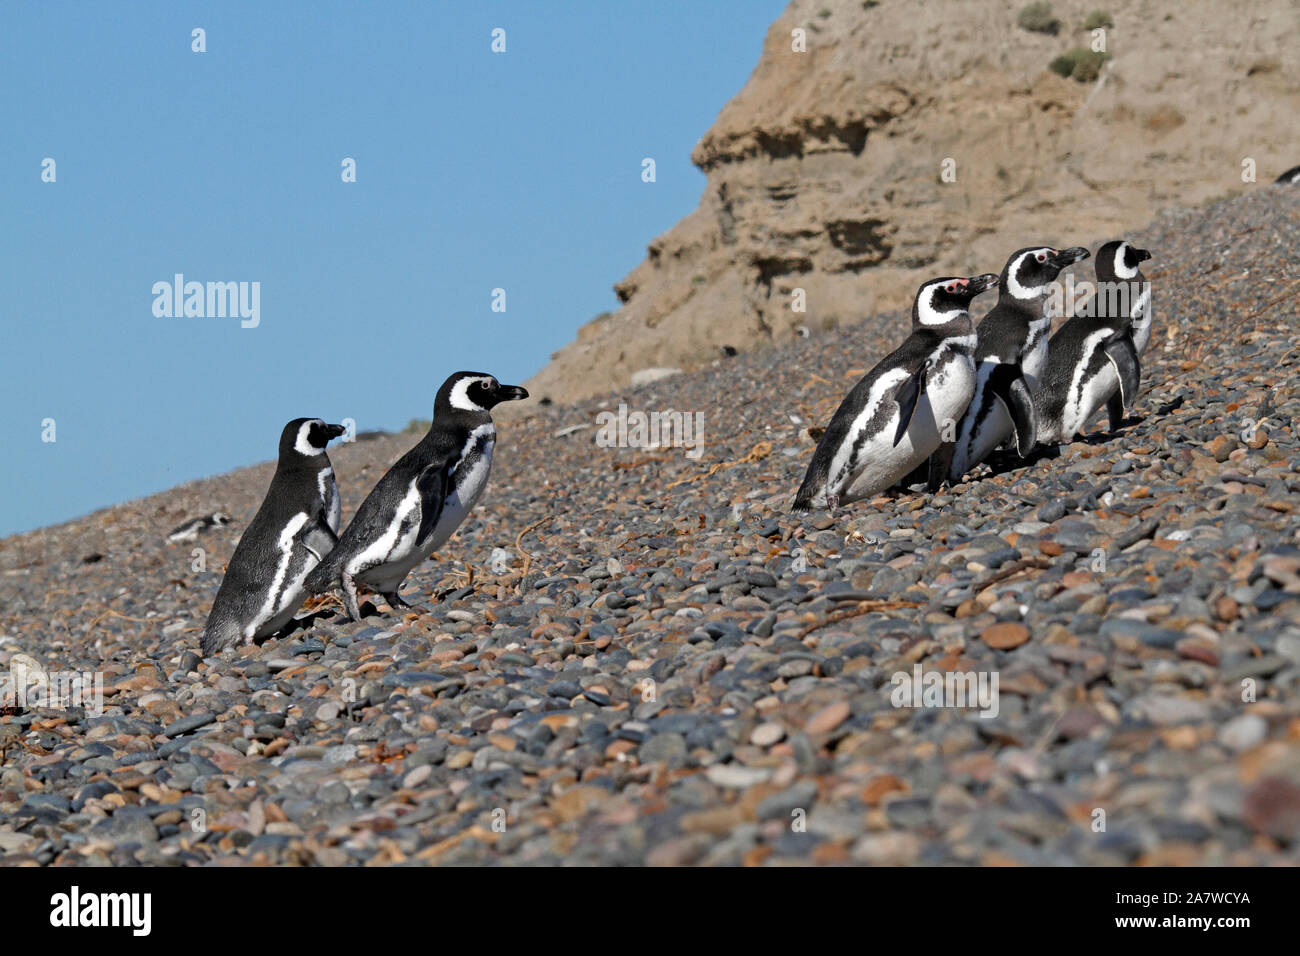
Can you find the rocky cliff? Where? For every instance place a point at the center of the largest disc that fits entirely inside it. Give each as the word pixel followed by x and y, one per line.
pixel 878 144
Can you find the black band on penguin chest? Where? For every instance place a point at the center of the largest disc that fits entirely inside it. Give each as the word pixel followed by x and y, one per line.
pixel 471 458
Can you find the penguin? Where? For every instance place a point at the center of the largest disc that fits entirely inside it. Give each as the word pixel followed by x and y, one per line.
pixel 1010 355
pixel 1289 178
pixel 1126 288
pixel 893 419
pixel 1092 359
pixel 295 527
pixel 423 498
pixel 190 530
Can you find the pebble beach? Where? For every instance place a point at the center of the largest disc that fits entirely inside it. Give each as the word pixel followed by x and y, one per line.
pixel 636 656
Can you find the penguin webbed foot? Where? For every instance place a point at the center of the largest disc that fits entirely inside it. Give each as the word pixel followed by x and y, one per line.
pixel 394 599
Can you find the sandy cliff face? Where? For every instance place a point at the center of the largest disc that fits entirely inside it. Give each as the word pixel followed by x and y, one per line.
pixel 825 171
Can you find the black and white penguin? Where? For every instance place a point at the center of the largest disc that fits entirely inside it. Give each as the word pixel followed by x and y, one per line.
pixel 1009 358
pixel 1289 178
pixel 1092 359
pixel 295 527
pixel 191 529
pixel 1125 288
pixel 893 419
pixel 423 498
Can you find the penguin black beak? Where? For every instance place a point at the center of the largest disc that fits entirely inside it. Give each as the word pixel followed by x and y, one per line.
pixel 334 431
pixel 982 283
pixel 511 393
pixel 1067 257
pixel 1142 254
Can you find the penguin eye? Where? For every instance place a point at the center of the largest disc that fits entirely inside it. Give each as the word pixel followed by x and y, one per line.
pixel 1041 257
pixel 950 287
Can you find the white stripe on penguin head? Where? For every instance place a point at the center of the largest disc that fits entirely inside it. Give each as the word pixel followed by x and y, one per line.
pixel 926 311
pixel 1013 284
pixel 1122 269
pixel 460 394
pixel 303 445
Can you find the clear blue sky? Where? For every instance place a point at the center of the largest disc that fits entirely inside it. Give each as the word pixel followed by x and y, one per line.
pixel 475 171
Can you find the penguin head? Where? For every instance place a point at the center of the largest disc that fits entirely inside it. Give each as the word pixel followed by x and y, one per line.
pixel 475 392
pixel 307 437
pixel 1030 271
pixel 219 519
pixel 941 300
pixel 1118 261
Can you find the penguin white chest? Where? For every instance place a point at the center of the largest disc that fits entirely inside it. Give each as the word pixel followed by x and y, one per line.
pixel 1091 395
pixel 1035 360
pixel 284 592
pixel 948 390
pixel 404 552
pixel 1087 393
pixel 1141 319
pixel 986 427
pixel 468 483
pixel 329 496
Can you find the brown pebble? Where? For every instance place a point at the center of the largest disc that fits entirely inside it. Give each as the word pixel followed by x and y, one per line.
pixel 879 786
pixel 1221 447
pixel 828 718
pixel 1197 650
pixel 1005 636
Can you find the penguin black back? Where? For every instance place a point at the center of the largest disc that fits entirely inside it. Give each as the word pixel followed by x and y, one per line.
pixel 290 533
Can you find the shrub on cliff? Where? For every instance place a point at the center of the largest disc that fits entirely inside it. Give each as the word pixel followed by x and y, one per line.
pixel 1080 64
pixel 1037 18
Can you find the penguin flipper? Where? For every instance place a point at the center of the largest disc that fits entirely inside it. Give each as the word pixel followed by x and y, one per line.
pixel 432 486
pixel 909 395
pixel 1123 356
pixel 317 537
pixel 1008 383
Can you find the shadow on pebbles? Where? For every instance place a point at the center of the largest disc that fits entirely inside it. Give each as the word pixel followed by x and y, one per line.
pixel 654 663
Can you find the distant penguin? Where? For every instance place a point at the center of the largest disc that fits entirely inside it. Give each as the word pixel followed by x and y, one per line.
pixel 893 418
pixel 294 528
pixel 1010 357
pixel 423 498
pixel 1289 178
pixel 1118 273
pixel 190 530
pixel 1092 359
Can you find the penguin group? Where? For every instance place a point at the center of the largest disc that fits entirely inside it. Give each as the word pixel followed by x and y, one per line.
pixel 943 402
pixel 292 547
pixel 955 392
